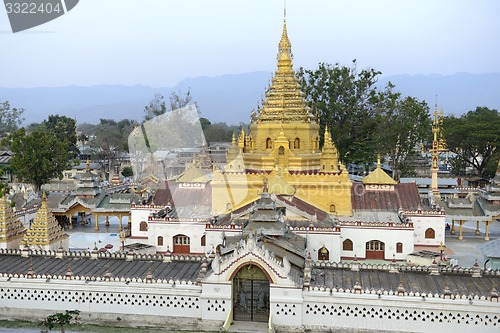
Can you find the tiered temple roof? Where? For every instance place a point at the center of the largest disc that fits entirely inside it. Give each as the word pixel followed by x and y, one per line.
pixel 45 231
pixel 11 228
pixel 284 100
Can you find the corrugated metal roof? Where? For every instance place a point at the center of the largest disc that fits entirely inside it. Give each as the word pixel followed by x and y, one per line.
pixel 413 281
pixel 182 270
pixel 404 196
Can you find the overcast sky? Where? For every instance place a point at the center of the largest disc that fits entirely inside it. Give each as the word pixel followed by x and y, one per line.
pixel 160 42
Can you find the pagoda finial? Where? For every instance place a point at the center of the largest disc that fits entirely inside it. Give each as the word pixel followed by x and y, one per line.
pixel 233 140
pixel 87 166
pixel 378 160
pixel 284 44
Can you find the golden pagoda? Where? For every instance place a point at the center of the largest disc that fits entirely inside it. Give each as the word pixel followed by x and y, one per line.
pixel 378 179
pixel 282 146
pixel 11 228
pixel 45 233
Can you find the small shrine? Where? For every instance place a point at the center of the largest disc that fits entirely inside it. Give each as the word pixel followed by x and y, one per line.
pixel 45 233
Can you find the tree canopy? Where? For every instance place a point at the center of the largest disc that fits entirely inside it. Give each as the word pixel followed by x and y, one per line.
pixel 10 118
pixel 363 119
pixel 60 319
pixel 38 156
pixel 157 106
pixel 475 138
pixel 64 128
pixel 110 140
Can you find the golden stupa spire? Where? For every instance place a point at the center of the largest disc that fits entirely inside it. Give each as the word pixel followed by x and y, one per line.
pixel 11 228
pixel 45 232
pixel 284 44
pixel 284 102
pixel 329 154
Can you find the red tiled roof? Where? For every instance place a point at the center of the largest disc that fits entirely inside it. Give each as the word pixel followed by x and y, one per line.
pixel 169 193
pixel 405 195
pixel 305 207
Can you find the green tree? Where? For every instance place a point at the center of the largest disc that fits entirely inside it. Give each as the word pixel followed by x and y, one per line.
pixel 110 141
pixel 218 132
pixel 401 124
pixel 10 118
pixel 157 106
pixel 127 171
pixel 60 319
pixel 363 119
pixel 64 128
pixel 475 138
pixel 37 157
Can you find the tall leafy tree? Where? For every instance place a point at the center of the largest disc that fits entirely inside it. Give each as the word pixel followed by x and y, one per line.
pixel 157 106
pixel 110 140
pixel 38 156
pixel 345 100
pixel 475 138
pixel 10 118
pixel 363 119
pixel 401 124
pixel 64 128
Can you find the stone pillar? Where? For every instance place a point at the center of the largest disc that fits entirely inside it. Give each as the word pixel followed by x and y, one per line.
pixel 120 226
pixel 70 221
pixel 452 230
pixel 477 228
pixel 486 234
pixel 107 221
pixel 96 216
pixel 460 236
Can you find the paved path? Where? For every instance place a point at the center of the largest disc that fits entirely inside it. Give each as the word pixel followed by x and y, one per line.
pixel 466 251
pixel 249 327
pixel 83 237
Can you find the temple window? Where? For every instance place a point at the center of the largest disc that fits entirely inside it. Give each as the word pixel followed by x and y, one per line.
pixel 296 143
pixel 181 240
pixel 203 240
pixel 430 233
pixel 347 245
pixel 159 241
pixel 333 209
pixel 143 226
pixel 399 247
pixel 375 246
pixel 323 253
pixel 181 244
pixel 269 143
pixel 281 150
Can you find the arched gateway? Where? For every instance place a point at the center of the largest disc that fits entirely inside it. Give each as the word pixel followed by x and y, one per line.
pixel 250 294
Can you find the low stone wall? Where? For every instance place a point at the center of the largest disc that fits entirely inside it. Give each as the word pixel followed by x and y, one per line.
pixel 117 319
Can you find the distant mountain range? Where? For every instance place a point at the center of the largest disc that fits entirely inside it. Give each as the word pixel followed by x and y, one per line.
pixel 231 98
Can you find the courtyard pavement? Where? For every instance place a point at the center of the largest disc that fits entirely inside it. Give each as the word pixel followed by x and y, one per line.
pixel 466 251
pixel 85 237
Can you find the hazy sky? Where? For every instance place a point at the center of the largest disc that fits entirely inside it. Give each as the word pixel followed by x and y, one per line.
pixel 160 42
